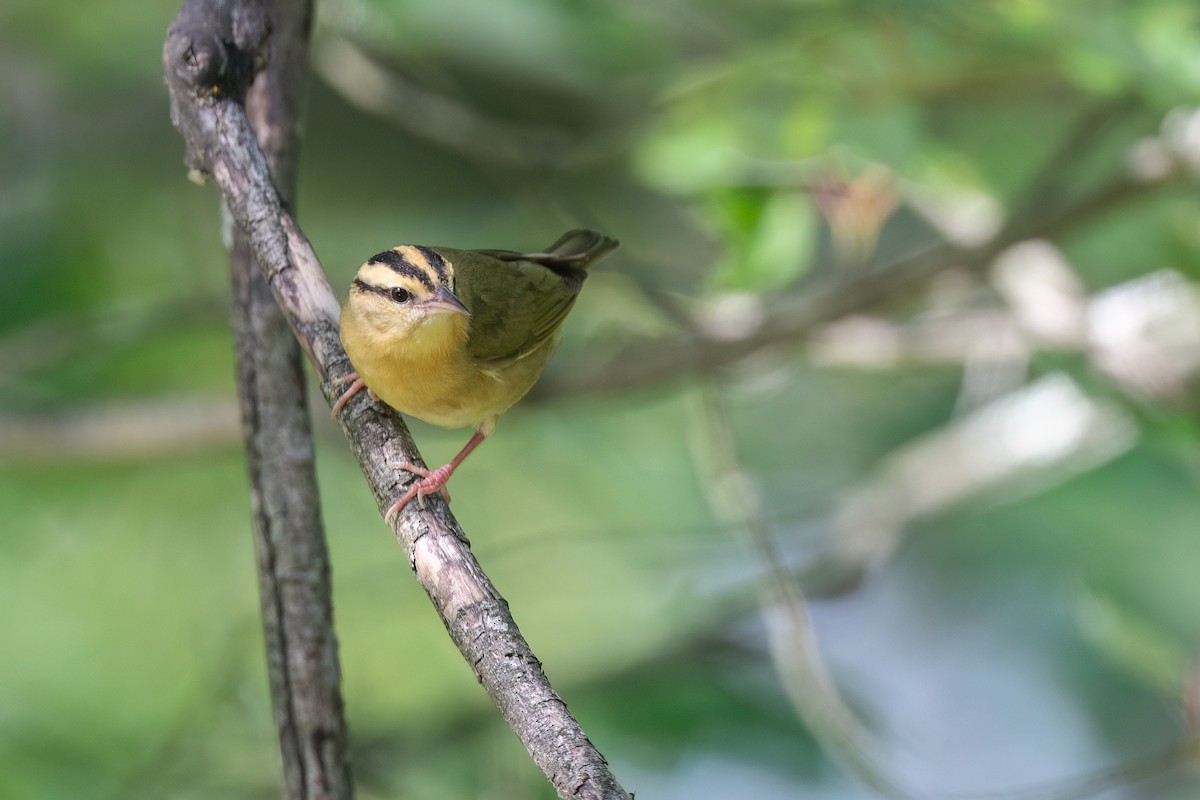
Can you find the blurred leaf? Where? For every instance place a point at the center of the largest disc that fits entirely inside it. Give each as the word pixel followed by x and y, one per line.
pixel 1169 35
pixel 770 235
pixel 691 157
pixel 1094 70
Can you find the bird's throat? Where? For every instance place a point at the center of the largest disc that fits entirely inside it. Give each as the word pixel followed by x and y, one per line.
pixel 435 339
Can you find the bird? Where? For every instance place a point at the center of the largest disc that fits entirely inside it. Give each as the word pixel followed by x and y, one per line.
pixel 457 337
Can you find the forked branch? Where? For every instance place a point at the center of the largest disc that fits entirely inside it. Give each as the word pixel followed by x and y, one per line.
pixel 212 51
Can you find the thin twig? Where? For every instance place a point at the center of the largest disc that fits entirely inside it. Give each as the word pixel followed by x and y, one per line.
pixel 1048 185
pixel 434 117
pixel 813 693
pixel 158 427
pixel 211 52
pixel 734 499
pixel 657 362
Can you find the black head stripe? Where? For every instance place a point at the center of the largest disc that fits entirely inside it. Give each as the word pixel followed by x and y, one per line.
pixel 436 262
pixel 402 267
pixel 363 286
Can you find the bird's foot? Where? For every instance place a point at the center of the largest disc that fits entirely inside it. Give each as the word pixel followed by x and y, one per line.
pixel 434 481
pixel 356 385
pixel 431 482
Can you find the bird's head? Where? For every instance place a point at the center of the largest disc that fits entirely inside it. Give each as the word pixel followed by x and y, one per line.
pixel 403 297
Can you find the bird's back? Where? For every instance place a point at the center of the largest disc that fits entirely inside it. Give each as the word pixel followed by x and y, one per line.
pixel 518 301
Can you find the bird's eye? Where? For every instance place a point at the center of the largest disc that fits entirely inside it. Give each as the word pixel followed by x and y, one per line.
pixel 400 294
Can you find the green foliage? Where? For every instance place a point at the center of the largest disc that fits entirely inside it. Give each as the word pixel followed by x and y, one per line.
pixel 1007 635
pixel 771 238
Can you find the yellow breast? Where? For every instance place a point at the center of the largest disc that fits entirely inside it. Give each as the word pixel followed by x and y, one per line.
pixel 428 375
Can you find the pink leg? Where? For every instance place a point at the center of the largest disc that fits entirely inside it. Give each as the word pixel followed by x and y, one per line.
pixel 415 469
pixel 434 481
pixel 356 384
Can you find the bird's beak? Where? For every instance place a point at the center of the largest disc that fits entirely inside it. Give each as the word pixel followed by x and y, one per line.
pixel 444 302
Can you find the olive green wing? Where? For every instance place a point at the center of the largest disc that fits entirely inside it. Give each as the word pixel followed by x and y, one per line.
pixel 518 301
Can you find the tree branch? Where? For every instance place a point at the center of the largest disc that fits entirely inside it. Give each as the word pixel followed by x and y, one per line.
pixel 211 53
pixel 1089 128
pixel 289 539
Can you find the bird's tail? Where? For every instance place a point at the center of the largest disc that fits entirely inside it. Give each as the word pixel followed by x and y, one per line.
pixel 575 251
pixel 579 248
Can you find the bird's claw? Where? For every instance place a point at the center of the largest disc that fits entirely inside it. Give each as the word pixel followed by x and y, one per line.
pixel 431 482
pixel 434 481
pixel 356 385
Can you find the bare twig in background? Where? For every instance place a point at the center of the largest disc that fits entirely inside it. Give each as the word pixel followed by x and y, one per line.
pixel 210 55
pixel 125 429
pixel 693 351
pixel 1031 438
pixel 293 560
pixel 1093 123
pixel 377 90
pixel 734 500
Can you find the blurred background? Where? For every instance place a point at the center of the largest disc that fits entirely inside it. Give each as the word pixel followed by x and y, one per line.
pixel 868 465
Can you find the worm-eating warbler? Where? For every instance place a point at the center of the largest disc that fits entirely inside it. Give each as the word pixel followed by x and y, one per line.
pixel 456 337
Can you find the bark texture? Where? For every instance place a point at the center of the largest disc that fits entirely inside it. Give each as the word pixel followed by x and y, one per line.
pixel 293 560
pixel 212 52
